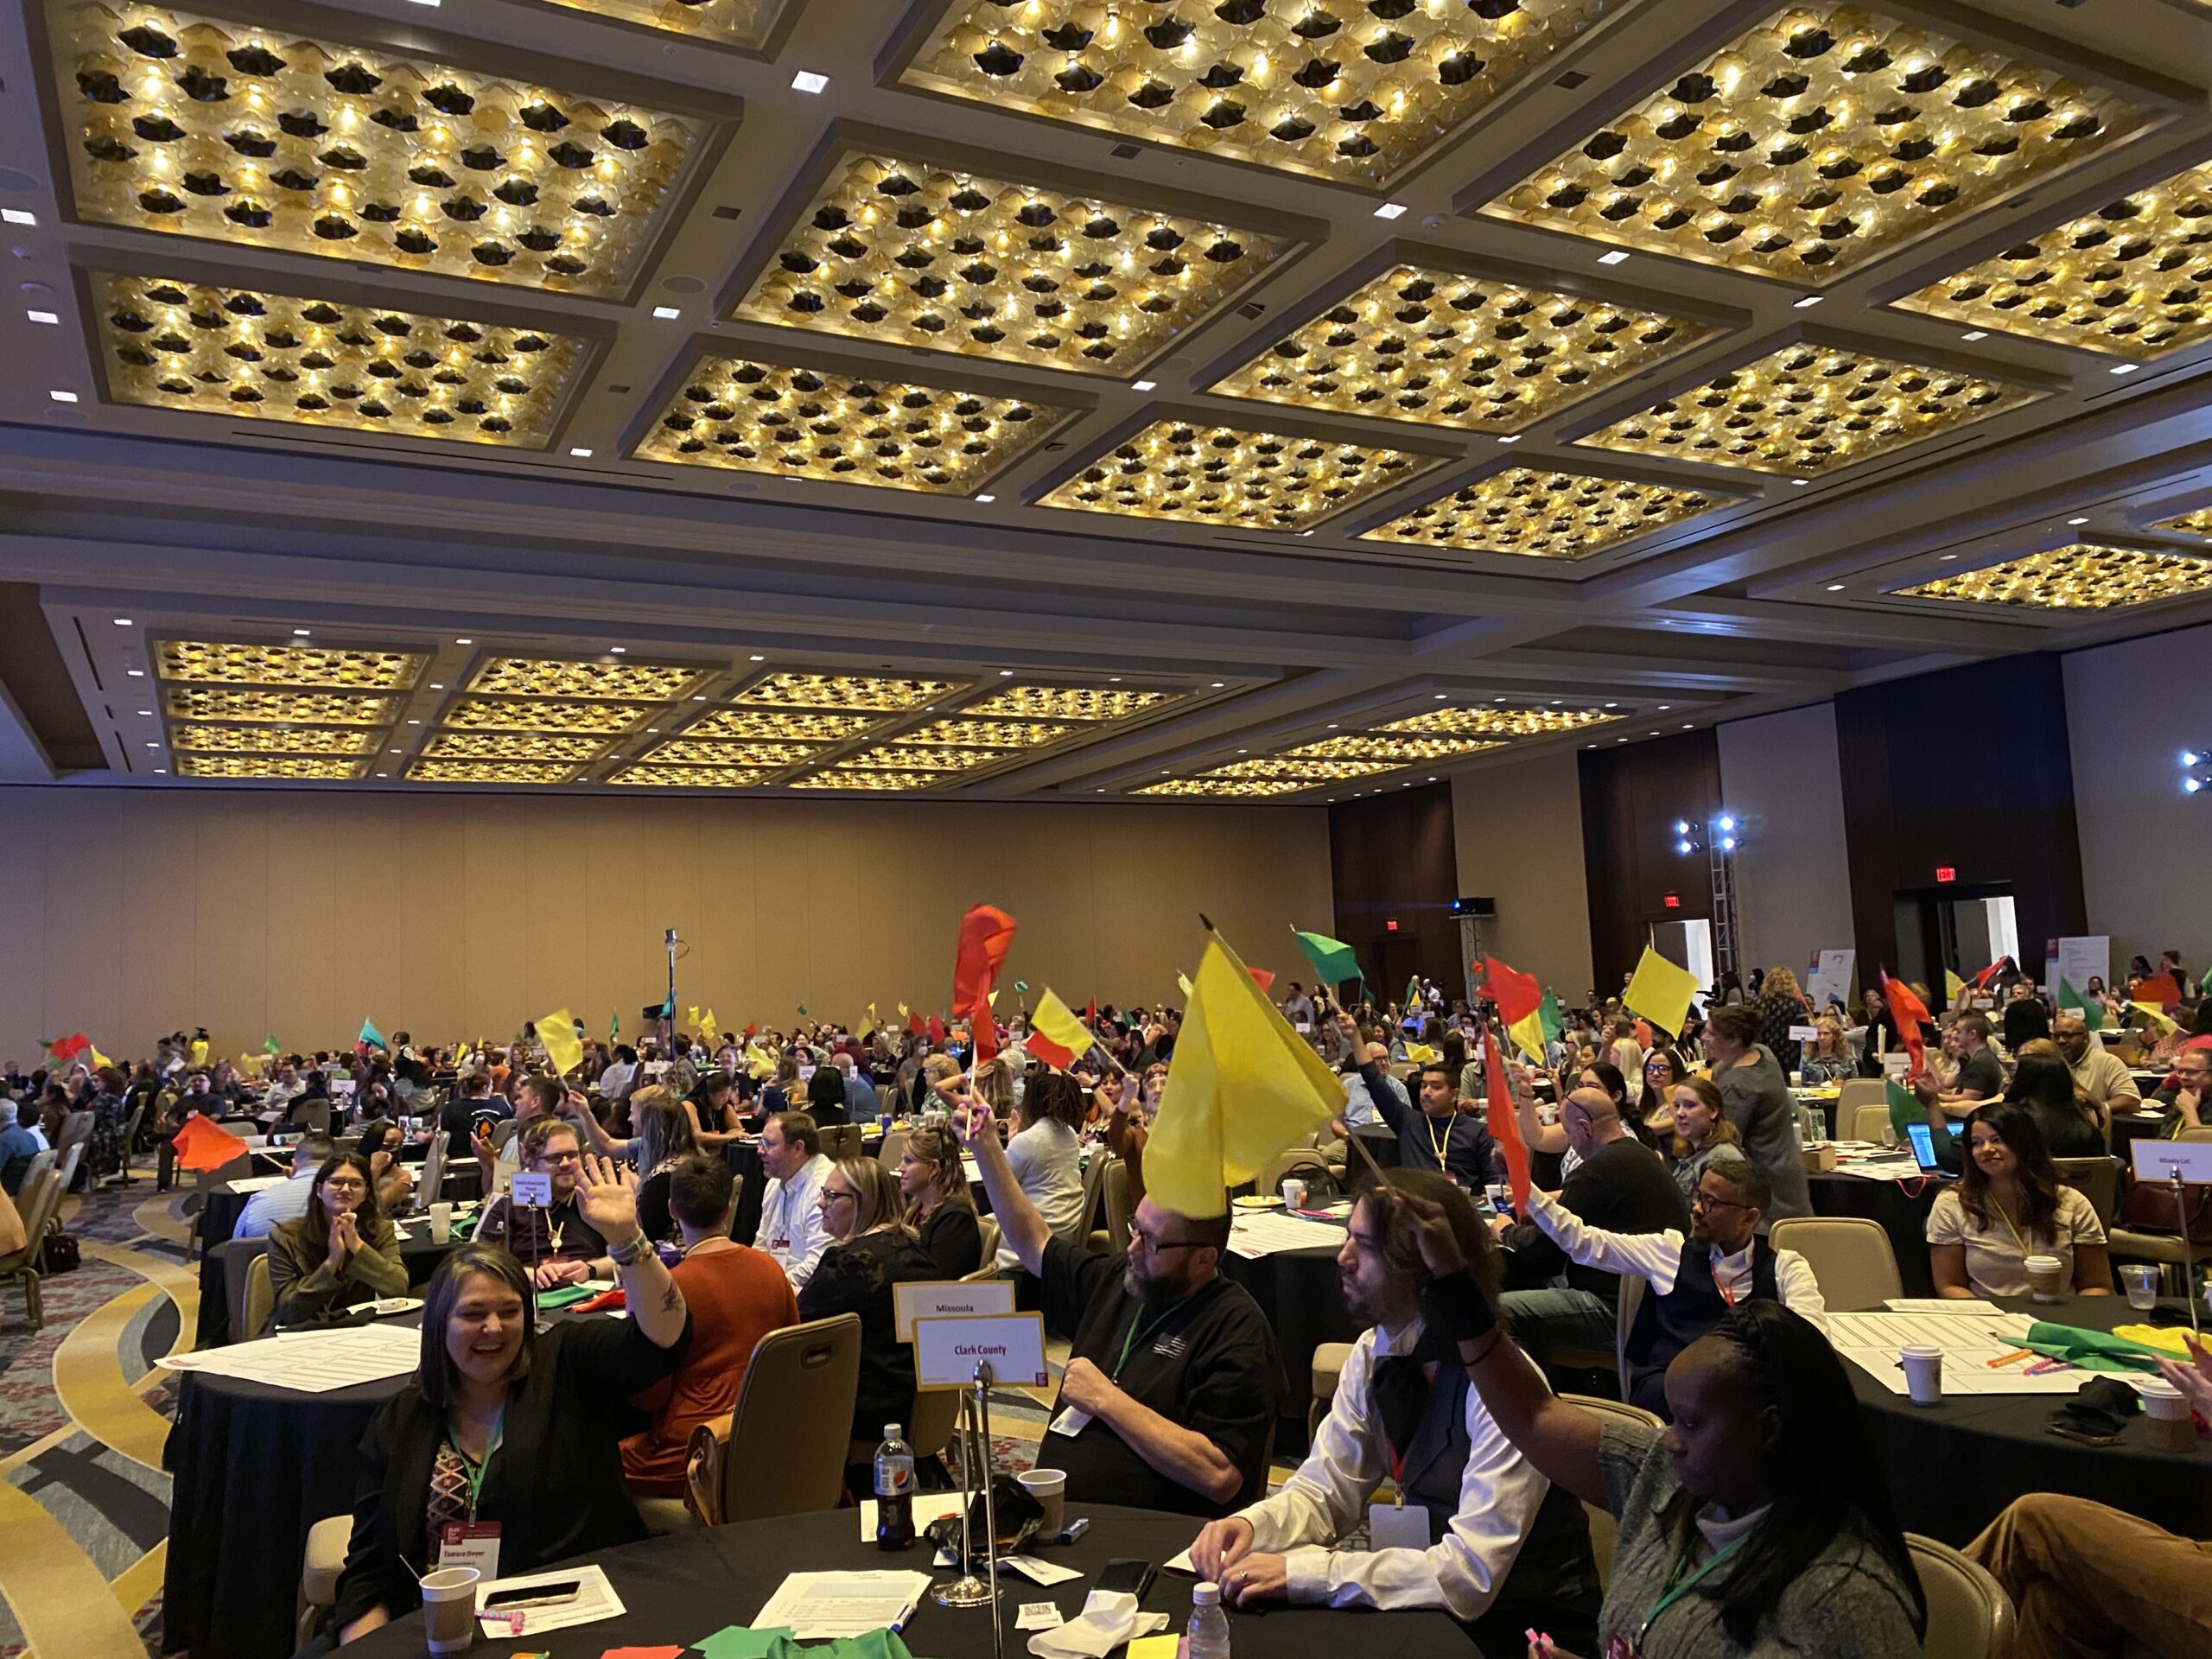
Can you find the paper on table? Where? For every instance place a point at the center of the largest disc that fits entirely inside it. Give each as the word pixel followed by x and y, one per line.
pixel 1043 1572
pixel 257 1183
pixel 1154 1647
pixel 928 1507
pixel 311 1362
pixel 819 1607
pixel 1882 1169
pixel 1181 1564
pixel 738 1641
pixel 1037 1616
pixel 1943 1304
pixel 641 1653
pixel 1872 1342
pixel 1267 1232
pixel 595 1600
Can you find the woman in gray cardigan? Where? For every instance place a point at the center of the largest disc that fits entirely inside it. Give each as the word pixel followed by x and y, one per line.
pixel 340 1253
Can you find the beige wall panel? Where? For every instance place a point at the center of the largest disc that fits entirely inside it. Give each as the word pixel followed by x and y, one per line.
pixel 312 924
pixel 24 886
pixel 494 891
pixel 230 954
pixel 1519 832
pixel 676 868
pixel 156 967
pixel 609 909
pixel 554 866
pixel 430 972
pixel 725 964
pixel 367 951
pixel 84 923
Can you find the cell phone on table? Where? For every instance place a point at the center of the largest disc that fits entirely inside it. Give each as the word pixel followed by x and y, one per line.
pixel 534 1595
pixel 1129 1578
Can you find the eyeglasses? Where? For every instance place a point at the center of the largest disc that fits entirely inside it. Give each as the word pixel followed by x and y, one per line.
pixel 1155 1246
pixel 333 1185
pixel 831 1195
pixel 560 1157
pixel 1701 1199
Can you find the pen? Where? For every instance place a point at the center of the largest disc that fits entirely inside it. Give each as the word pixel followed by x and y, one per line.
pixel 2013 1358
pixel 898 1625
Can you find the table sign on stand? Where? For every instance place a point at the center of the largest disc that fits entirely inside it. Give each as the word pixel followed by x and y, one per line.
pixel 2184 1163
pixel 945 1298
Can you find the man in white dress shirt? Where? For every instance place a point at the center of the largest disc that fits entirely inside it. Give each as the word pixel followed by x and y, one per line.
pixel 1689 1283
pixel 1475 1531
pixel 791 1229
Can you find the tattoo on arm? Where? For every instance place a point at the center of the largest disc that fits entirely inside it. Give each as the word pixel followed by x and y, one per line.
pixel 673 1300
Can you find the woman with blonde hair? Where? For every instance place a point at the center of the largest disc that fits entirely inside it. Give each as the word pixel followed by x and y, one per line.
pixel 939 1207
pixel 1830 1058
pixel 865 1213
pixel 1702 1133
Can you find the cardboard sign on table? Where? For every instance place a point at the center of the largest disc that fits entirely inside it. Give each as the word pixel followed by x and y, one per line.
pixel 946 1298
pixel 947 1351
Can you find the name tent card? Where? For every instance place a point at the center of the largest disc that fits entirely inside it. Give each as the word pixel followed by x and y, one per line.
pixel 533 1186
pixel 2161 1161
pixel 947 1299
pixel 947 1350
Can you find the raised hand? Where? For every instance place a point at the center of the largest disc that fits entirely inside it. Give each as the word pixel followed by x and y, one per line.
pixel 1439 1246
pixel 607 1197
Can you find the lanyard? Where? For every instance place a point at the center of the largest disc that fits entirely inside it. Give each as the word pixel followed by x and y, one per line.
pixel 1130 1339
pixel 1727 1296
pixel 2005 1216
pixel 1437 1151
pixel 1678 1586
pixel 476 1471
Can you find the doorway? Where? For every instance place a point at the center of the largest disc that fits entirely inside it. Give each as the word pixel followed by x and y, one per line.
pixel 1956 928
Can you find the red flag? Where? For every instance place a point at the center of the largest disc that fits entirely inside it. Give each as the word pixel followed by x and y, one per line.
pixel 915 1025
pixel 1981 980
pixel 1517 995
pixel 1042 1048
pixel 1646 1038
pixel 936 1029
pixel 68 1048
pixel 1909 1013
pixel 750 1028
pixel 986 934
pixel 202 1144
pixel 2159 990
pixel 1262 978
pixel 1504 1125
pixel 1090 1013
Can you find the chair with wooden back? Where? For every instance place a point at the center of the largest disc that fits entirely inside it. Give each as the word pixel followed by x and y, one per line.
pixel 237 1256
pixel 782 1450
pixel 1869 1121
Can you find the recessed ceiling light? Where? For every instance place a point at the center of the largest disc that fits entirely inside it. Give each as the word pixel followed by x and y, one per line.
pixel 1510 437
pixel 122 621
pixel 161 772
pixel 1613 705
pixel 759 659
pixel 1805 303
pixel 1441 695
pixel 1114 680
pixel 667 313
pixel 806 80
pixel 701 697
pixel 1217 685
pixel 1800 482
pixel 1006 673
pixel 1975 334
pixel 1835 587
pixel 153 746
pixel 618 650
pixel 1618 255
pixel 580 454
pixel 61 397
pixel 17 216
pixel 1391 209
pixel 1689 726
pixel 1143 386
pixel 464 642
pixel 43 316
pixel 987 498
pixel 2124 368
pixel 1332 725
pixel 414 722
pixel 1945 558
pixel 300 633
pixel 1664 707
pixel 146 712
pixel 437 685
pixel 2077 521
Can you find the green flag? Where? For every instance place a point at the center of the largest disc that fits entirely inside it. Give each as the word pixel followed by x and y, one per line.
pixel 269 1046
pixel 615 1025
pixel 2092 1012
pixel 1554 1020
pixel 1413 990
pixel 801 1008
pixel 1905 1110
pixel 1333 959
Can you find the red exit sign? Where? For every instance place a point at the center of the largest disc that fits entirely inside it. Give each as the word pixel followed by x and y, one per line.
pixel 1673 901
pixel 1945 874
pixel 1390 925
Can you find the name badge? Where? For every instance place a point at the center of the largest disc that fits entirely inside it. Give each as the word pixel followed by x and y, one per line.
pixel 471 1543
pixel 1391 1526
pixel 1070 1422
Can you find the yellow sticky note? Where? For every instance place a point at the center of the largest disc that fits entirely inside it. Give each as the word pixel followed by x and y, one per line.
pixel 1162 1646
pixel 1660 992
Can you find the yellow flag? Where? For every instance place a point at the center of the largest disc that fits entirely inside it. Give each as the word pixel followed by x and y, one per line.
pixel 1954 987
pixel 1183 984
pixel 1060 1025
pixel 1242 1087
pixel 100 1062
pixel 200 1050
pixel 1420 1054
pixel 873 1022
pixel 693 1020
pixel 2154 1017
pixel 557 1031
pixel 1660 992
pixel 904 1010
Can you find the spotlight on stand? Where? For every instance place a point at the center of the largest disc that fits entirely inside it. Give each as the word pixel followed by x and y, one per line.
pixel 2196 772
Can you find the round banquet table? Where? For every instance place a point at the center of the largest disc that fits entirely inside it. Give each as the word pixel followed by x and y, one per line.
pixel 2128 1127
pixel 1902 1209
pixel 1952 1466
pixel 689 1585
pixel 1303 1302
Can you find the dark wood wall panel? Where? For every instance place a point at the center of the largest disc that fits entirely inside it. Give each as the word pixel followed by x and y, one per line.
pixel 1394 855
pixel 1632 796
pixel 1968 768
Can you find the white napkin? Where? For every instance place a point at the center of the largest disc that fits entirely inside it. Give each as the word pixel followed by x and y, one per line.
pixel 1108 1618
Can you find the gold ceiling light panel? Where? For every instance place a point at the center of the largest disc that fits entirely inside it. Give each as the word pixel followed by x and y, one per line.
pixel 1546 513
pixel 845 692
pixel 803 422
pixel 1308 769
pixel 1478 354
pixel 1820 139
pixel 689 751
pixel 227 131
pixel 513 745
pixel 774 726
pixel 2131 279
pixel 272 740
pixel 1244 479
pixel 1398 751
pixel 656 776
pixel 1810 409
pixel 748 24
pixel 277 708
pixel 898 251
pixel 321 668
pixel 1230 788
pixel 326 767
pixel 1352 90
pixel 2197 524
pixel 1066 703
pixel 547 677
pixel 215 350
pixel 491 772
pixel 927 757
pixel 537 715
pixel 872 780
pixel 2082 577
pixel 986 734
pixel 1499 723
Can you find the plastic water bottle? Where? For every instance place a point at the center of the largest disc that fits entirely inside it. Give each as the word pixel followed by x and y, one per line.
pixel 895 1492
pixel 1207 1635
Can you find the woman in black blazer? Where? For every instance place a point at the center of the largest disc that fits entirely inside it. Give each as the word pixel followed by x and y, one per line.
pixel 508 1426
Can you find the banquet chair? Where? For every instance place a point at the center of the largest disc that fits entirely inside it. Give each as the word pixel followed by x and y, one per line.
pixel 237 1256
pixel 1603 1529
pixel 988 1227
pixel 1329 1360
pixel 320 1572
pixel 893 1148
pixel 1115 1195
pixel 433 1180
pixel 2097 1179
pixel 1092 1230
pixel 1870 1119
pixel 37 1206
pixel 131 1127
pixel 1969 1615
pixel 1850 1258
pixel 1853 1092
pixel 2167 1249
pixel 41 1162
pixel 843 1141
pixel 260 1297
pixel 782 1451
pixel 1624 1312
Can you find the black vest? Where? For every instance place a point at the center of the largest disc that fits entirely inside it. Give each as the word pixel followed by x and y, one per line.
pixel 1666 1324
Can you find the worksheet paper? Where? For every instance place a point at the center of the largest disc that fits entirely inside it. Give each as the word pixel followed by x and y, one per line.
pixel 1270 1232
pixel 1906 1168
pixel 822 1607
pixel 595 1599
pixel 312 1361
pixel 1873 1342
pixel 257 1183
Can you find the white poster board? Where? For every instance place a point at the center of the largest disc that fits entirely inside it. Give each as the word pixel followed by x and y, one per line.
pixel 947 1351
pixel 1831 978
pixel 2079 960
pixel 946 1298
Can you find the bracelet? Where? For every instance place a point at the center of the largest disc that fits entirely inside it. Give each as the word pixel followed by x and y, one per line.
pixel 626 1255
pixel 1455 1304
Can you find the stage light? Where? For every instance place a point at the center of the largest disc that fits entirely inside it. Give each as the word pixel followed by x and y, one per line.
pixel 1682 826
pixel 1727 826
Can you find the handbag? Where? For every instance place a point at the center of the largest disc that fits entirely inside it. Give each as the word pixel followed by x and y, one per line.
pixel 2151 1208
pixel 57 1253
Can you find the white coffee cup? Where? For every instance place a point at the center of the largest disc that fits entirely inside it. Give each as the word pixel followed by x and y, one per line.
pixel 441 1223
pixel 2046 1282
pixel 1796 1079
pixel 2167 1406
pixel 450 1609
pixel 1294 1193
pixel 1050 1488
pixel 1924 1372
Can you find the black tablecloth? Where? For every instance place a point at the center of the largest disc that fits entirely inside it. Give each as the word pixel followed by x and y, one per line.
pixel 1299 1293
pixel 681 1588
pixel 2128 1127
pixel 1952 1466
pixel 1902 1209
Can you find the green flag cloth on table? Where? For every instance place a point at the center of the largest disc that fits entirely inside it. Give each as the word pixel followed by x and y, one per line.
pixel 2093 1350
pixel 2092 1011
pixel 1333 962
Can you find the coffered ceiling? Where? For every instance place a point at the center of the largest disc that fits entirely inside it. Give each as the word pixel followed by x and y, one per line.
pixel 1267 400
